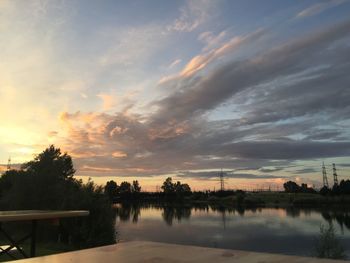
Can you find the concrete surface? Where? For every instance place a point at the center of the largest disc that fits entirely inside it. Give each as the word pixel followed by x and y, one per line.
pixel 151 252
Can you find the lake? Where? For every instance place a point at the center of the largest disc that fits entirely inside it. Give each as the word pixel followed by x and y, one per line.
pixel 276 230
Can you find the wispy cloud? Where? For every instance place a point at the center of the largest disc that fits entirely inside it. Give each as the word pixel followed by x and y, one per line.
pixel 211 40
pixel 320 7
pixel 201 61
pixel 174 63
pixel 193 14
pixel 130 46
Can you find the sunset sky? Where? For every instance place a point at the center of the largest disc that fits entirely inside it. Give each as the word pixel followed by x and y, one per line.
pixel 151 88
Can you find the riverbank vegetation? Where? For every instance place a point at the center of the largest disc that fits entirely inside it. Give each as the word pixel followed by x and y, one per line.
pixel 47 183
pixel 294 195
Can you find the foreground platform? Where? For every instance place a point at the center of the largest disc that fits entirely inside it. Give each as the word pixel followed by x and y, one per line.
pixel 147 252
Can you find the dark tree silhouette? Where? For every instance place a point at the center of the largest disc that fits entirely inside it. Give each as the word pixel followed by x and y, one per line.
pixel 182 188
pixel 125 188
pixel 291 187
pixel 344 187
pixel 168 186
pixel 51 162
pixel 177 189
pixel 111 190
pixel 47 183
pixel 136 188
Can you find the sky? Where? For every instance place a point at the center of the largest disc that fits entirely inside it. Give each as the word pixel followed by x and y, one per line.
pixel 150 89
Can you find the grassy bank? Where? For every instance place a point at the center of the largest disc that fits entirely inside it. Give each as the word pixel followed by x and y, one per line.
pixel 244 200
pixel 272 199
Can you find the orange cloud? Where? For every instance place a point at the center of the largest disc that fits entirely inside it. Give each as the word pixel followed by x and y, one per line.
pixel 201 61
pixel 119 154
pixel 109 101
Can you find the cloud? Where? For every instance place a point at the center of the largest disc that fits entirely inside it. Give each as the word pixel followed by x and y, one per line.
pixel 141 152
pixel 306 171
pixel 271 170
pixel 201 61
pixel 344 164
pixel 230 174
pixel 211 40
pixel 109 101
pixel 119 154
pixel 131 46
pixel 283 96
pixel 120 101
pixel 193 14
pixel 319 8
pixel 294 150
pixel 174 63
pixel 198 94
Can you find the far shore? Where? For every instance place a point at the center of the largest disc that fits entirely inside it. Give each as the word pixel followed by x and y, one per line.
pixel 251 199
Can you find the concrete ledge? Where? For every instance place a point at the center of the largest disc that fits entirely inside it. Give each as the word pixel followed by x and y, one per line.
pixel 147 252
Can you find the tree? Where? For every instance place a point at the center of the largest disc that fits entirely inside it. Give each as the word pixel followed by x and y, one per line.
pixel 344 187
pixel 181 189
pixel 111 190
pixel 47 183
pixel 171 189
pixel 136 188
pixel 125 188
pixel 168 187
pixel 51 163
pixel 291 187
pixel 186 188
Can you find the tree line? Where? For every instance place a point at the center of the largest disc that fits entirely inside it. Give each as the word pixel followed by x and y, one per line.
pixel 132 191
pixel 343 188
pixel 47 183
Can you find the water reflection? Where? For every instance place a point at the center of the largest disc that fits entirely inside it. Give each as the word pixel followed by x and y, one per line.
pixel 170 213
pixel 132 212
pixel 275 230
pixel 341 217
pixel 128 211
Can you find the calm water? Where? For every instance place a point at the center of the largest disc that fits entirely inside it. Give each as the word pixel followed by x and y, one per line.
pixel 287 231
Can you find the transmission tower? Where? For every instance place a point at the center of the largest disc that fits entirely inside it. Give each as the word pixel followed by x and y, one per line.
pixel 324 173
pixel 9 164
pixel 222 183
pixel 335 176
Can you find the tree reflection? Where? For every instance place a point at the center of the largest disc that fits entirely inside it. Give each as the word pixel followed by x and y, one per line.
pixel 341 217
pixel 293 212
pixel 171 213
pixel 127 211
